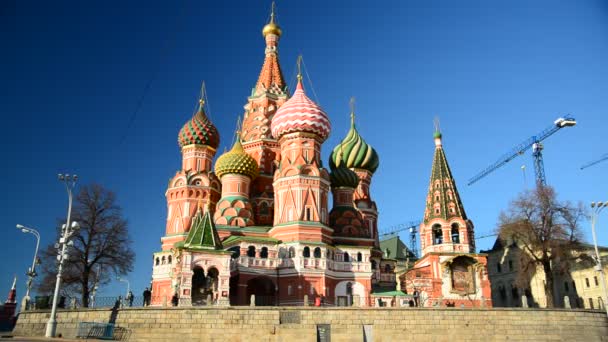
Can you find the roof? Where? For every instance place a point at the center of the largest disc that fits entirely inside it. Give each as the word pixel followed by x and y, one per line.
pixel 442 189
pixel 388 291
pixel 203 234
pixel 397 249
pixel 238 238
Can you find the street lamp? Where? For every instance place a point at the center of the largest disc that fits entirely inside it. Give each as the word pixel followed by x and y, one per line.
pixel 31 273
pixel 66 232
pixel 596 208
pixel 128 284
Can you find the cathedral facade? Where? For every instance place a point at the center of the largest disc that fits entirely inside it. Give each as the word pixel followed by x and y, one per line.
pixel 257 221
pixel 256 226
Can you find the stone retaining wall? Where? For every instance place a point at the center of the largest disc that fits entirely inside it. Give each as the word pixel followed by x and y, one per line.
pixel 345 324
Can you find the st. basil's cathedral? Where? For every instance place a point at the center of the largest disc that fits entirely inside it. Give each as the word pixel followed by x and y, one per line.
pixel 256 224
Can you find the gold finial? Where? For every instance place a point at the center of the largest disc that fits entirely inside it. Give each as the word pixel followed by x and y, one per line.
pixel 272 13
pixel 299 63
pixel 239 126
pixel 201 100
pixel 272 27
pixel 352 110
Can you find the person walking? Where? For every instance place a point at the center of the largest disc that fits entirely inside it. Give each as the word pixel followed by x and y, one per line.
pixel 130 298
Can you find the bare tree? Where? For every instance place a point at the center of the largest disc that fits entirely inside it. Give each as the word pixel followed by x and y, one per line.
pixel 101 249
pixel 546 230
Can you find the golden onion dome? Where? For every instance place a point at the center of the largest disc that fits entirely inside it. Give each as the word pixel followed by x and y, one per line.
pixel 237 161
pixel 271 28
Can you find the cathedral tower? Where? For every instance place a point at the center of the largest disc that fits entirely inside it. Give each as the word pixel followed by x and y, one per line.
pixel 445 227
pixel 269 93
pixel 354 153
pixel 301 184
pixel 198 140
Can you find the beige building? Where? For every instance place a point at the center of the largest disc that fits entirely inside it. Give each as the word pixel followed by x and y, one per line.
pixel 581 284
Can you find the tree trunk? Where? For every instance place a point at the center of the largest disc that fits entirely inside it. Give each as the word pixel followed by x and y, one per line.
pixel 548 283
pixel 85 289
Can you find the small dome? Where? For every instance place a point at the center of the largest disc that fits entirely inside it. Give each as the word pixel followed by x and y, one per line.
pixel 354 152
pixel 343 177
pixel 271 28
pixel 236 161
pixel 199 130
pixel 300 114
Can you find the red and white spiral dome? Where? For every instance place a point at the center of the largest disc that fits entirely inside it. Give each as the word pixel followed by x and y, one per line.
pixel 300 114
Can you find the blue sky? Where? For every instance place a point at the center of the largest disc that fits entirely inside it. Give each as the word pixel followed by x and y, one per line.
pixel 73 74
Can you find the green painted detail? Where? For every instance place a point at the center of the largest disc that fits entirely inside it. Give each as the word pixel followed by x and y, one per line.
pixel 238 238
pixel 343 177
pixel 392 293
pixel 202 233
pixel 354 152
pixel 396 249
pixel 442 184
pixel 237 161
pixel 199 130
pixel 252 229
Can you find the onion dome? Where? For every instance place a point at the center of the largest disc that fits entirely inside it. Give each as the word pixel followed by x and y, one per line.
pixel 271 27
pixel 342 177
pixel 354 152
pixel 236 161
pixel 199 130
pixel 300 114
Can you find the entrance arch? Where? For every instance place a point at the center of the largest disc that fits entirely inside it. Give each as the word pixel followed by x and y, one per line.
pixel 198 286
pixel 264 290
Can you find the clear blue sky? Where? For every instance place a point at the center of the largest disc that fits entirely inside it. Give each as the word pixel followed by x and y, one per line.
pixel 73 73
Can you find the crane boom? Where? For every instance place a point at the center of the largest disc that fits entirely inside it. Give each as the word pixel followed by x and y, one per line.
pixel 591 163
pixel 533 141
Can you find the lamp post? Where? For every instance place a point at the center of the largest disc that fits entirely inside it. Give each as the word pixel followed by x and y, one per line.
pixel 596 208
pixel 66 232
pixel 31 273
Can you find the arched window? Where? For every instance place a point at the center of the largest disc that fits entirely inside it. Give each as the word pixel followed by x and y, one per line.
pixel 264 253
pixel 282 253
pixel 264 208
pixel 374 264
pixel 317 252
pixel 359 257
pixel 306 252
pixel 157 261
pixel 163 260
pixel 346 257
pixel 251 251
pixel 455 233
pixel 437 235
pixel 236 252
pixel 169 259
pixel 292 252
pixel 349 289
pixel 387 268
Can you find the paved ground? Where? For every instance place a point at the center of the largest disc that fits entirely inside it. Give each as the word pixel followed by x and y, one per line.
pixel 36 339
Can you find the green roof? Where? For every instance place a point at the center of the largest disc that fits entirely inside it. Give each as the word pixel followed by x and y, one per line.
pixel 396 248
pixel 238 238
pixel 393 293
pixel 202 233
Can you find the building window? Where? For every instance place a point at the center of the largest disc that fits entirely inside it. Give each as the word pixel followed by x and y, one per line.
pixel 359 257
pixel 306 252
pixel 308 214
pixel 317 253
pixel 418 274
pixel 292 252
pixel 289 290
pixel 346 257
pixel 157 261
pixel 236 252
pixel 510 265
pixel 373 264
pixel 595 280
pixel 587 282
pixel 169 259
pixel 600 303
pixel 264 253
pixel 437 235
pixel 282 253
pixel 436 198
pixel 436 210
pixel 590 303
pixel 455 233
pixel 566 287
pixel 387 268
pixel 163 260
pixel 251 251
pixel 498 267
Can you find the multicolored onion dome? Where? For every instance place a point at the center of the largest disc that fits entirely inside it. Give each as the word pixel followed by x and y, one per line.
pixel 236 161
pixel 199 130
pixel 354 152
pixel 343 177
pixel 300 114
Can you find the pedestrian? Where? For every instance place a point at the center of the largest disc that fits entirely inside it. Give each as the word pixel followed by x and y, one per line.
pixel 130 298
pixel 147 296
pixel 174 299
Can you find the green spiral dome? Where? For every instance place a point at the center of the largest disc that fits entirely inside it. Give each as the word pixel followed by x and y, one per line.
pixel 343 177
pixel 354 152
pixel 199 130
pixel 236 161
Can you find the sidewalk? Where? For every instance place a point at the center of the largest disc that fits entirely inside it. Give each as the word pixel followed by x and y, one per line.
pixel 9 337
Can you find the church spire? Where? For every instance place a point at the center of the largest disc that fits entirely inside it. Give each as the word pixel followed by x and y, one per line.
pixel 443 200
pixel 271 77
